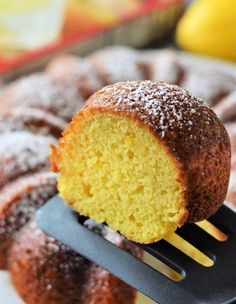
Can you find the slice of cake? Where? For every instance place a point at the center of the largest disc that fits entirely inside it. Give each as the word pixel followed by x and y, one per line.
pixel 145 157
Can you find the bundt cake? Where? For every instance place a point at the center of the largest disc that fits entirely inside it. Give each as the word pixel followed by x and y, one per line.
pixel 74 72
pixel 145 157
pixel 46 271
pixel 231 195
pixel 226 109
pixel 38 91
pixel 210 85
pixel 114 64
pixel 165 67
pixel 32 120
pixel 231 129
pixel 22 153
pixel 18 202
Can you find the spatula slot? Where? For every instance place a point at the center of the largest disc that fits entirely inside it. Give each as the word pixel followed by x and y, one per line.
pixel 211 229
pixel 224 219
pixel 174 273
pixel 162 267
pixel 190 250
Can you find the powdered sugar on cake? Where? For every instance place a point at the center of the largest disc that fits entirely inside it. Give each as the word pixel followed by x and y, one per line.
pixel 117 64
pixel 38 91
pixel 29 119
pixel 163 106
pixel 21 152
pixel 21 198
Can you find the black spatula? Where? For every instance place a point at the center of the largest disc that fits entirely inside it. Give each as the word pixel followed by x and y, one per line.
pixel 211 285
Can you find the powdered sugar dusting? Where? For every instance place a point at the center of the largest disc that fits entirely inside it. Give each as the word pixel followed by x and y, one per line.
pixel 163 106
pixel 29 119
pixel 38 91
pixel 22 152
pixel 209 85
pixel 116 64
pixel 76 72
pixel 20 200
pixel 226 109
pixel 165 67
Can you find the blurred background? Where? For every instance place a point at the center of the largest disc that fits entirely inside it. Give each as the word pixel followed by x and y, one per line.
pixel 32 32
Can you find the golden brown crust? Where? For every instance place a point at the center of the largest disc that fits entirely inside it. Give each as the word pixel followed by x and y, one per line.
pixel 192 132
pixel 44 270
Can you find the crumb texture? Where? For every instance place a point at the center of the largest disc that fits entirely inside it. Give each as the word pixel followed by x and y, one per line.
pixel 115 171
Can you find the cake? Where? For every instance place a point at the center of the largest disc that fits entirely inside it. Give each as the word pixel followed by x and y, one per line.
pixel 226 109
pixel 75 72
pixel 22 153
pixel 19 201
pixel 46 271
pixel 38 91
pixel 145 157
pixel 114 64
pixel 33 120
pixel 165 67
pixel 210 85
pixel 231 129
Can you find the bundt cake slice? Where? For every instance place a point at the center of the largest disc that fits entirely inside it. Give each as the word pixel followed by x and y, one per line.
pixel 19 201
pixel 45 271
pixel 22 153
pixel 145 157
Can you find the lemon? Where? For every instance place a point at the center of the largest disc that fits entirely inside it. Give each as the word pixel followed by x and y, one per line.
pixel 209 27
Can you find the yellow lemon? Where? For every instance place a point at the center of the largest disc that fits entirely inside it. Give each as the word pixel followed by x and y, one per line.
pixel 209 27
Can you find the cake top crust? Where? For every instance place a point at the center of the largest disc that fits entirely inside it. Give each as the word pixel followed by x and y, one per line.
pixel 170 111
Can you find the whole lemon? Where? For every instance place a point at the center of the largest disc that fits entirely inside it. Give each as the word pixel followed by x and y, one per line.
pixel 209 27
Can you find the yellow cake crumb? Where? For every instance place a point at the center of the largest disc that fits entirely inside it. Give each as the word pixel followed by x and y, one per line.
pixel 114 170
